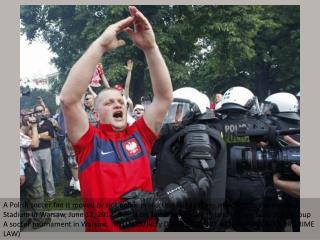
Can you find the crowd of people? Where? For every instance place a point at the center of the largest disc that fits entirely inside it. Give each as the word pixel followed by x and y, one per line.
pixel 171 157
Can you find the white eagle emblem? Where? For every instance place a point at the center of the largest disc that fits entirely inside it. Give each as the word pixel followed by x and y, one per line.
pixel 131 147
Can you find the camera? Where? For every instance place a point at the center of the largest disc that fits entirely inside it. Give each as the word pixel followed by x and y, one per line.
pixel 26 115
pixel 269 160
pixel 266 160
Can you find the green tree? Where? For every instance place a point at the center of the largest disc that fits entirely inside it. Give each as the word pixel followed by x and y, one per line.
pixel 253 46
pixel 211 48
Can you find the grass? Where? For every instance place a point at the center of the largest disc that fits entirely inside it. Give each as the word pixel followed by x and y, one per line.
pixel 60 201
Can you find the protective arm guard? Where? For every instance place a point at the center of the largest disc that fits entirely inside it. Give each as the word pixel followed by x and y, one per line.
pixel 198 157
pixel 204 164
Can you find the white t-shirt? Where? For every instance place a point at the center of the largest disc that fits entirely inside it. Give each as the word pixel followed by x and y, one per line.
pixel 130 119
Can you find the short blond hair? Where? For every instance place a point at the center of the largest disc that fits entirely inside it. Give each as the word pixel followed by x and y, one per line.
pixel 97 99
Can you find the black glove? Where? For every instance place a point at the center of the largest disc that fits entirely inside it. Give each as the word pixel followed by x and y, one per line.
pixel 140 205
pixel 137 207
pixel 199 177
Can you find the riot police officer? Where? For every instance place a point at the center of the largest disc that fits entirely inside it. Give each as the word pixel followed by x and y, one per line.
pixel 190 175
pixel 281 111
pixel 244 190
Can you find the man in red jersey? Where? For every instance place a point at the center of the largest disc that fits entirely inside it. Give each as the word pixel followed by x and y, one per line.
pixel 113 158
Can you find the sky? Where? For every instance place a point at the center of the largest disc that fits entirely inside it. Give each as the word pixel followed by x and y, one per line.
pixel 35 59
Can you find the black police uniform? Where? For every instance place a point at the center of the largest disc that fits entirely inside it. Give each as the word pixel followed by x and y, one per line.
pixel 180 157
pixel 278 205
pixel 244 189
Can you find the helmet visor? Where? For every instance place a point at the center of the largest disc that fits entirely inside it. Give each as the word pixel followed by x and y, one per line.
pixel 269 108
pixel 177 111
pixel 255 109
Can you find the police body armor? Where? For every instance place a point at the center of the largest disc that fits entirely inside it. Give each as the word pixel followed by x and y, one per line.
pixel 244 189
pixel 185 152
pixel 230 127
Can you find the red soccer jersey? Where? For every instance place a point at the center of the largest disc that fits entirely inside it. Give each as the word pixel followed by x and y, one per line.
pixel 110 165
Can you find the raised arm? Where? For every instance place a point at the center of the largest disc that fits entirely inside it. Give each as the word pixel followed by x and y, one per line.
pixel 130 105
pixel 129 67
pixel 92 92
pixel 105 81
pixel 144 38
pixel 162 89
pixel 80 76
pixel 103 77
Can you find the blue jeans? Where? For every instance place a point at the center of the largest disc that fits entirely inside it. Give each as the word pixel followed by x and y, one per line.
pixel 56 164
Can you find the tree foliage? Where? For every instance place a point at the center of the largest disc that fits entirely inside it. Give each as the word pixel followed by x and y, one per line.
pixel 211 48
